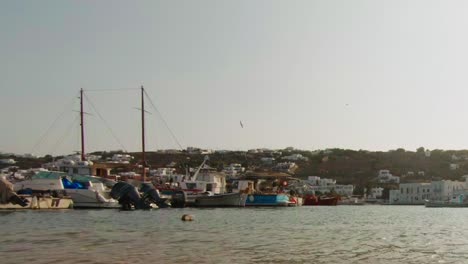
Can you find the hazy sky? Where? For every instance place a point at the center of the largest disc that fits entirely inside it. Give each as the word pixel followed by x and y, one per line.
pixel 374 75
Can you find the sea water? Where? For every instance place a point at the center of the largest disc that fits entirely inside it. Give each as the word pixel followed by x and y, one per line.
pixel 335 234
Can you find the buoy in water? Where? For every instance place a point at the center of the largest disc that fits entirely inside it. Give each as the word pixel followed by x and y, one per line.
pixel 187 217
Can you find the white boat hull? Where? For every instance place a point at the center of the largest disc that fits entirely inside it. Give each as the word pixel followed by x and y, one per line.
pixel 222 200
pixel 87 198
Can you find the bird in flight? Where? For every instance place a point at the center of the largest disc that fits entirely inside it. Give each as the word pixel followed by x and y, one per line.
pixel 242 125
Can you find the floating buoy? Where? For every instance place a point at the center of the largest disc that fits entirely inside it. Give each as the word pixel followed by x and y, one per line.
pixel 187 217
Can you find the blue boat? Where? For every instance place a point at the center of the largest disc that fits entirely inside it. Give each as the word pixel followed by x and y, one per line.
pixel 279 199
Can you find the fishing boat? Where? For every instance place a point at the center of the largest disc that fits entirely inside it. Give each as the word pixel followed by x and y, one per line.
pixel 274 199
pixel 221 200
pixel 311 199
pixel 262 198
pixel 205 188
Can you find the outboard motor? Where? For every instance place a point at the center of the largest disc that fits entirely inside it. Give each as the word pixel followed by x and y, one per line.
pixel 179 199
pixel 128 196
pixel 150 194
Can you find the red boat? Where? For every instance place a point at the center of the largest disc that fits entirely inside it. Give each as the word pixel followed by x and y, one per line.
pixel 311 199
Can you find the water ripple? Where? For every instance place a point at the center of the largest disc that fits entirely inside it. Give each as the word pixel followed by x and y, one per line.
pixel 365 234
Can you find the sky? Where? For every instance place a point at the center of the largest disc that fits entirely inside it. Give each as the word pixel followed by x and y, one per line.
pixel 374 75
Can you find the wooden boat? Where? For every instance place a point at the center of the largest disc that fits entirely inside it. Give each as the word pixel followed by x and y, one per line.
pixel 311 199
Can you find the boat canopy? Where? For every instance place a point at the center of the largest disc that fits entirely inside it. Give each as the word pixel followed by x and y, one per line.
pixel 87 178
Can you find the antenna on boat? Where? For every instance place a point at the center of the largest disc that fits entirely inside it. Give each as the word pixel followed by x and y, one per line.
pixel 82 126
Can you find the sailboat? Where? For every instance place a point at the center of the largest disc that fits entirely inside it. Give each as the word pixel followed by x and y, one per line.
pixel 145 196
pixel 85 190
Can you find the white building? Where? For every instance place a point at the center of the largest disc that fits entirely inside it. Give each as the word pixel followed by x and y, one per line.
pixel 375 193
pixel 445 189
pixel 313 180
pixel 317 181
pixel 417 193
pixel 324 185
pixel 345 190
pixel 295 157
pixel 285 166
pixel 71 164
pixel 385 176
pixel 121 158
pixel 410 193
pixel 233 170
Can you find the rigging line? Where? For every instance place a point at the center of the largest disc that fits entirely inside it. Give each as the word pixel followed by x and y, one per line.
pixel 44 135
pixel 164 121
pixel 105 123
pixel 68 132
pixel 106 90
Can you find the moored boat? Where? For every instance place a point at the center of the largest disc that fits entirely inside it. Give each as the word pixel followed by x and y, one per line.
pixel 9 199
pixel 311 199
pixel 221 200
pixel 457 201
pixel 278 199
pixel 85 191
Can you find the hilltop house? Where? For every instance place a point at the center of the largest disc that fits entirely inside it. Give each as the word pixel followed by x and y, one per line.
pixel 384 176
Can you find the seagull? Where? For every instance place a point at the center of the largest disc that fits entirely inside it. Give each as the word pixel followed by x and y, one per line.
pixel 242 125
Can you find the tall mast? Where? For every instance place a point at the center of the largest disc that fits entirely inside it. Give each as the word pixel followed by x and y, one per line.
pixel 82 126
pixel 143 132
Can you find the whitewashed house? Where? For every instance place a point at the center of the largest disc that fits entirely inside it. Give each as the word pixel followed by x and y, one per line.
pixel 411 193
pixel 384 176
pixel 295 157
pixel 376 192
pixel 445 189
pixel 345 190
pixel 325 185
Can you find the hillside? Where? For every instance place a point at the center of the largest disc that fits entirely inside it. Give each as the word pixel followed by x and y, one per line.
pixel 346 166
